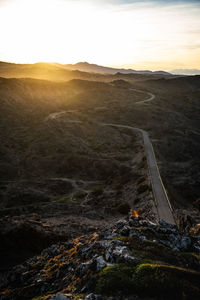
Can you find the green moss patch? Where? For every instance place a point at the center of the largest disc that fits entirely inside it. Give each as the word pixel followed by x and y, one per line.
pixel 115 279
pixel 160 281
pixel 167 281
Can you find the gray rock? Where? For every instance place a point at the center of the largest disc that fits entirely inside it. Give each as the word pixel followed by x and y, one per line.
pixel 93 297
pixel 166 227
pixel 120 224
pixel 162 223
pixel 196 247
pixel 125 231
pixel 176 249
pixel 185 243
pixel 87 265
pixel 122 252
pixel 115 234
pixel 144 223
pixel 174 239
pixel 105 243
pixel 101 263
pixel 109 255
pixel 134 233
pixel 143 238
pixel 166 243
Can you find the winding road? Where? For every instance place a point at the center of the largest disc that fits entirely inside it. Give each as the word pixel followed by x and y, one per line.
pixel 150 98
pixel 164 209
pixel 162 202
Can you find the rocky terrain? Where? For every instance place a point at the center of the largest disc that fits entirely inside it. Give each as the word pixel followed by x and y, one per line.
pixel 133 259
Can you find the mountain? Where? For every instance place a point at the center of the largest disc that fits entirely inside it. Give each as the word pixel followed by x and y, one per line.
pixel 56 71
pixel 49 71
pixel 185 72
pixel 85 71
pixel 86 67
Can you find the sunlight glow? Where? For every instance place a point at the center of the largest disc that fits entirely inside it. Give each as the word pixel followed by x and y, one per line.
pixel 71 31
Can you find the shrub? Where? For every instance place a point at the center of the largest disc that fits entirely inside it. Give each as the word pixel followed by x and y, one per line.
pixel 142 188
pixel 123 208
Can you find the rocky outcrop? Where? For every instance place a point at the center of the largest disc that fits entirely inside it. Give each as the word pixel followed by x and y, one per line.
pixel 92 264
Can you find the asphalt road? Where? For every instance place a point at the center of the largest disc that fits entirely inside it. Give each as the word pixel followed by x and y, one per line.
pixel 162 202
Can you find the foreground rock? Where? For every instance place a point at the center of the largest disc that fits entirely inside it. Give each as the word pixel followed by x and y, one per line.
pixel 134 259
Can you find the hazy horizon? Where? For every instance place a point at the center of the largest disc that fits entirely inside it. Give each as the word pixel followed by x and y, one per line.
pixel 146 34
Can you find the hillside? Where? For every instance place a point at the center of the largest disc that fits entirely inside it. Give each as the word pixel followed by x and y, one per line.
pixel 76 200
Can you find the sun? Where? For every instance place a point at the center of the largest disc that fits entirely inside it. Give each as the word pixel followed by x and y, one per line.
pixel 61 31
pixel 68 31
pixel 40 30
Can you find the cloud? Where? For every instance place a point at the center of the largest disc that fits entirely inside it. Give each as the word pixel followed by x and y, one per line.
pixel 194 46
pixel 165 2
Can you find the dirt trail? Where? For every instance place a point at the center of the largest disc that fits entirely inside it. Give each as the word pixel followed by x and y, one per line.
pixel 150 98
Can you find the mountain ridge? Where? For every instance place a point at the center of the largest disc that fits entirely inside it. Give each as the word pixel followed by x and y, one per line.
pixel 85 67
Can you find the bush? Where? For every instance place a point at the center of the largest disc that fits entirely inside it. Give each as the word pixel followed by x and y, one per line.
pixel 123 208
pixel 142 188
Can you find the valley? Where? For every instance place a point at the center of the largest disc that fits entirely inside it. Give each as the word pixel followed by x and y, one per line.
pixel 80 156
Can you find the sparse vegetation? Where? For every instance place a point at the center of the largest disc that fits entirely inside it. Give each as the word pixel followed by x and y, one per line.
pixel 63 175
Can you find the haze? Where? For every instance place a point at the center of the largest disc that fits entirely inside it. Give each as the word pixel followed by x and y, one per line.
pixel 137 34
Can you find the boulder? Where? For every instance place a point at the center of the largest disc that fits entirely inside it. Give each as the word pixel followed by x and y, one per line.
pixel 101 263
pixel 185 243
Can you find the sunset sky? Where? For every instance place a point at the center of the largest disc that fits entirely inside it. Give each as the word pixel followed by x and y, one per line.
pixel 148 34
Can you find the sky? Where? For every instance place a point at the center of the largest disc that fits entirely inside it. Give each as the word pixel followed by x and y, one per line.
pixel 146 34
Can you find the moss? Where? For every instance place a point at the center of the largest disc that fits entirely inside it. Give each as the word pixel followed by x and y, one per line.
pixel 156 251
pixel 192 260
pixel 77 297
pixel 124 239
pixel 114 279
pixel 149 279
pixel 166 281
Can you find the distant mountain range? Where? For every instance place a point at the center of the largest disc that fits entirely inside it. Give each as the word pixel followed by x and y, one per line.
pixel 86 67
pixel 84 71
pixel 81 67
pixel 64 70
pixel 185 72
